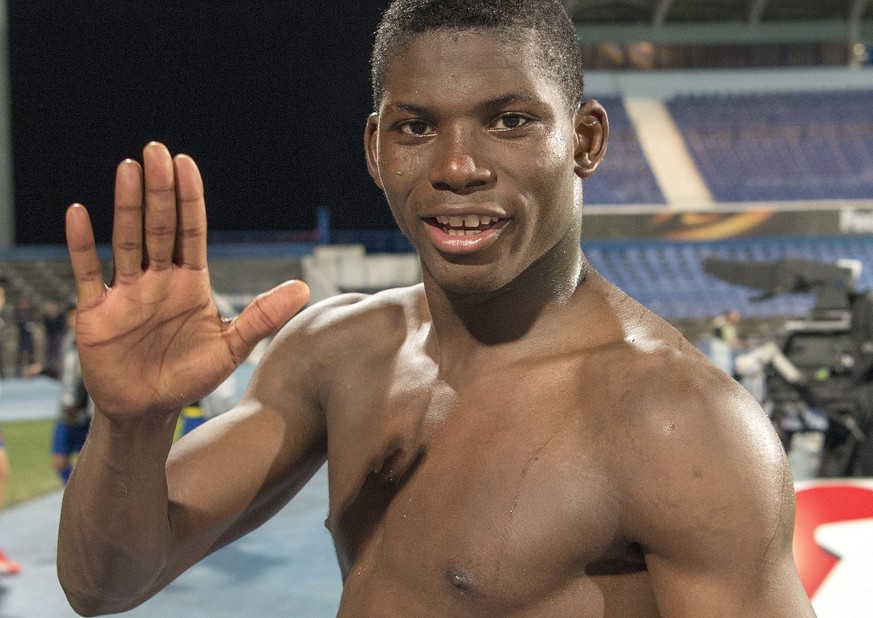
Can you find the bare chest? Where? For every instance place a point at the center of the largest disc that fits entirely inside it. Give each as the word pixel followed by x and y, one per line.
pixel 493 493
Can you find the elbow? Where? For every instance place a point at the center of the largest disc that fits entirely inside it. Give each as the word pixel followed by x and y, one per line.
pixel 86 603
pixel 85 599
pixel 83 603
pixel 84 606
pixel 89 595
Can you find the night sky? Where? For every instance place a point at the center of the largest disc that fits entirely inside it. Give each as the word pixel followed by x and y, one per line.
pixel 268 97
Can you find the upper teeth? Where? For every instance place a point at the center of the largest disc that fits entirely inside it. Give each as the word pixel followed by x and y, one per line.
pixel 467 221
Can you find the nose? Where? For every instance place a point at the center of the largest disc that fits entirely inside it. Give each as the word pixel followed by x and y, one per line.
pixel 459 164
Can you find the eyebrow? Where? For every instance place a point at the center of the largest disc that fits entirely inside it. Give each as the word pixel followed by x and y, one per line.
pixel 418 110
pixel 506 99
pixel 487 105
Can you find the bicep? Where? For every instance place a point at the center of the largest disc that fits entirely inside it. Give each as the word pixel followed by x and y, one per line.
pixel 238 469
pixel 737 564
pixel 716 518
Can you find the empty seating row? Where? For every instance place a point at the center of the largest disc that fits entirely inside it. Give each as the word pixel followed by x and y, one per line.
pixel 624 177
pixel 668 277
pixel 789 147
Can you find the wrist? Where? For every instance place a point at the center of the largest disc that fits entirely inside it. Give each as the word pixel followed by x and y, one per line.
pixel 160 426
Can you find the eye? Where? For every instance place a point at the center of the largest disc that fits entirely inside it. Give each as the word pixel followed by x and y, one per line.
pixel 416 127
pixel 509 122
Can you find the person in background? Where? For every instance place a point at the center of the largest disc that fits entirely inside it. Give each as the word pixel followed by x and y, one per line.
pixel 54 320
pixel 71 426
pixel 724 341
pixel 724 327
pixel 26 324
pixel 7 566
pixel 74 407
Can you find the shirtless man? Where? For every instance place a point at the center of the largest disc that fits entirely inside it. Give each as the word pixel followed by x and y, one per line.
pixel 513 437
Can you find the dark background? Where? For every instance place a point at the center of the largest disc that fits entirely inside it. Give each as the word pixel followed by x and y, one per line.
pixel 270 98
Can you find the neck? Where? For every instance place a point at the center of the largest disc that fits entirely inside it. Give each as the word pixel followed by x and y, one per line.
pixel 466 323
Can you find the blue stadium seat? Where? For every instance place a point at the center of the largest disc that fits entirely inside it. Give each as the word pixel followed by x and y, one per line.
pixel 624 177
pixel 668 277
pixel 786 147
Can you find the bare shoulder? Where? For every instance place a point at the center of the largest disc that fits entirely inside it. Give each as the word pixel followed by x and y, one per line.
pixel 700 478
pixel 358 315
pixel 670 397
pixel 702 443
pixel 686 441
pixel 698 425
pixel 347 327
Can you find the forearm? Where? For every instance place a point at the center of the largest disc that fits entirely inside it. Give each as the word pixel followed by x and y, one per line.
pixel 115 535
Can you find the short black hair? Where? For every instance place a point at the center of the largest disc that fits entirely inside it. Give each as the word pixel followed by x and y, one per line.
pixel 547 21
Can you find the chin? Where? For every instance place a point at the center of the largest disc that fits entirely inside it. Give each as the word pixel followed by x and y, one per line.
pixel 469 280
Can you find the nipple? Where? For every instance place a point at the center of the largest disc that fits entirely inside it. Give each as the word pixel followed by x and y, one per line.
pixel 461 579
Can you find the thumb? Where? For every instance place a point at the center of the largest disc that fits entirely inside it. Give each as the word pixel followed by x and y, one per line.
pixel 266 314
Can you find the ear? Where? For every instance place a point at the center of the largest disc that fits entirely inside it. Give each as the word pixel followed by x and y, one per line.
pixel 592 133
pixel 371 148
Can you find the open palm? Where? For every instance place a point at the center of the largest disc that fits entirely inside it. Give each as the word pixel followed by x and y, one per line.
pixel 153 340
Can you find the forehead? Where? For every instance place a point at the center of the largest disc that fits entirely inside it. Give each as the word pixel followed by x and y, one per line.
pixel 467 65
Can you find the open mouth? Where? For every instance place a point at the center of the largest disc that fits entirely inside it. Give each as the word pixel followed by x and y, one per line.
pixel 468 225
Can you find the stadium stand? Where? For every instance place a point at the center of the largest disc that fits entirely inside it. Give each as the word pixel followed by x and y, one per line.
pixel 786 147
pixel 625 177
pixel 668 277
pixel 773 148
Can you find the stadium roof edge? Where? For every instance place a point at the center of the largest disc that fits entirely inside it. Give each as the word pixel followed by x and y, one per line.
pixel 711 32
pixel 666 84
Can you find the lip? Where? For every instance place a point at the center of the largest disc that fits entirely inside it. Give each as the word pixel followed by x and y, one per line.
pixel 462 245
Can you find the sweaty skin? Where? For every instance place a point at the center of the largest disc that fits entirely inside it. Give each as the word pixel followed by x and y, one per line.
pixel 513 437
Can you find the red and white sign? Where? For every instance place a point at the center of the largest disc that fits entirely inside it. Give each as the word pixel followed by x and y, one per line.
pixel 833 546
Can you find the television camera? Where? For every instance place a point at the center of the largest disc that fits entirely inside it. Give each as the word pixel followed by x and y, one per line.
pixel 819 373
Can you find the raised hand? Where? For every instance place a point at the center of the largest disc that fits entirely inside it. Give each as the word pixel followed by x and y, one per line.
pixel 153 340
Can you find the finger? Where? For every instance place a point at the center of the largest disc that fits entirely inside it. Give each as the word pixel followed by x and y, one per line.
pixel 127 243
pixel 87 268
pixel 191 219
pixel 160 206
pixel 265 315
